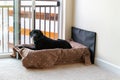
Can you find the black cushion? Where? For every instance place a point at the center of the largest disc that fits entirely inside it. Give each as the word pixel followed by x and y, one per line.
pixel 88 38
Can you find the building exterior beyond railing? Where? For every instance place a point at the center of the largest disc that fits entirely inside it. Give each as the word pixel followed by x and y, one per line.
pixel 46 20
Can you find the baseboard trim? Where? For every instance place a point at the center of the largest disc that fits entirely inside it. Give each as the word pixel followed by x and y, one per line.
pixel 107 65
pixel 6 55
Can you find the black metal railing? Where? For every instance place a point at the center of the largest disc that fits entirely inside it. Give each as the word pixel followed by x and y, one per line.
pixel 6 21
pixel 46 20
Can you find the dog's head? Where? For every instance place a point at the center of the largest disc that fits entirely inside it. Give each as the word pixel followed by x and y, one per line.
pixel 36 34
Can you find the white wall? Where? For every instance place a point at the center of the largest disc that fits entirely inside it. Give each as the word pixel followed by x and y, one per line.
pixel 103 17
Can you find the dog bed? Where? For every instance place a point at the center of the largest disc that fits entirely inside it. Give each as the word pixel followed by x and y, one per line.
pixel 47 58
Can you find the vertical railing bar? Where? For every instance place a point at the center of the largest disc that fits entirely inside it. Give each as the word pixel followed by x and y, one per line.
pixel 0 25
pixel 2 30
pixel 45 21
pixel 54 21
pixel 29 22
pixel 34 26
pixel 8 29
pixel 13 27
pixel 33 14
pixel 58 20
pixel 21 23
pixel 0 40
pixel 50 22
pixel 35 18
pixel 24 24
pixel 40 18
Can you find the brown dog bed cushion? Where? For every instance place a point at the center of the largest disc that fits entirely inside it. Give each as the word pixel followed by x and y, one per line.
pixel 49 57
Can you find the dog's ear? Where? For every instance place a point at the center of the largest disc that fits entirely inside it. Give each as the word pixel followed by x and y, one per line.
pixel 40 32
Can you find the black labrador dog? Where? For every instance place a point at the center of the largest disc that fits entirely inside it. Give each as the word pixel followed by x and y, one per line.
pixel 43 42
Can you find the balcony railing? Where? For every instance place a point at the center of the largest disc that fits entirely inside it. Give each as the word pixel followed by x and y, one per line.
pixel 46 20
pixel 6 21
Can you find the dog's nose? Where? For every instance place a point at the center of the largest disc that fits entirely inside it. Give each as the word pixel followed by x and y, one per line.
pixel 30 34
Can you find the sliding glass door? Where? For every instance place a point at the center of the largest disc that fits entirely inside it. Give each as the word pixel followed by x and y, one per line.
pixel 19 17
pixel 6 26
